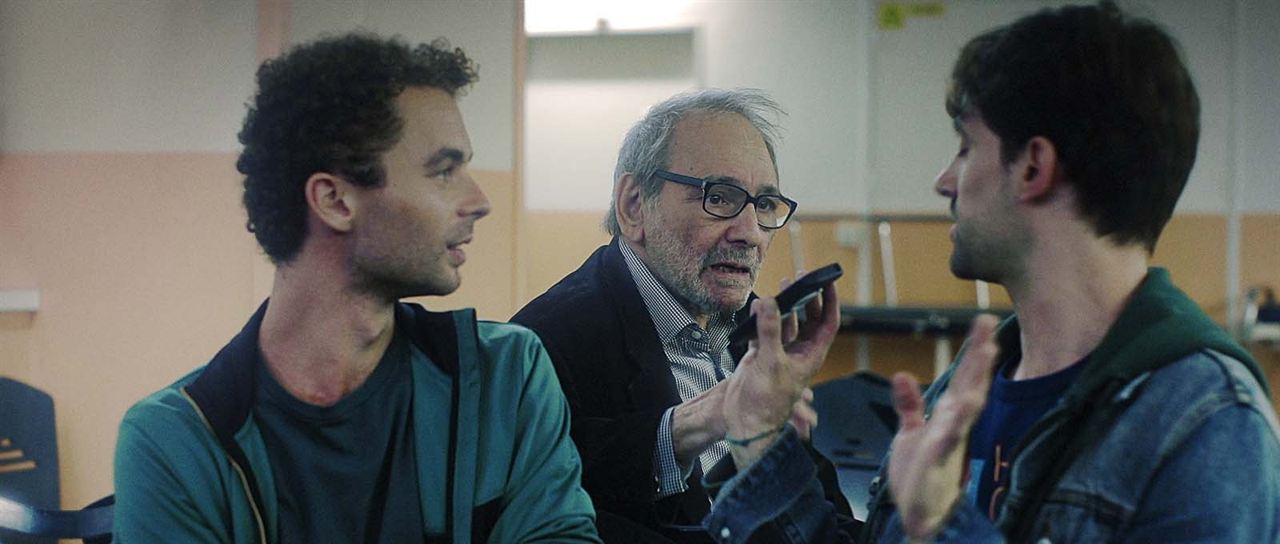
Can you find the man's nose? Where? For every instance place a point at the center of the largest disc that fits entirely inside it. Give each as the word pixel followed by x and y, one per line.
pixel 745 228
pixel 476 203
pixel 945 183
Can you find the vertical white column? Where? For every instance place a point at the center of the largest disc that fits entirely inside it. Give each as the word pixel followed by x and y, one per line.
pixel 1235 194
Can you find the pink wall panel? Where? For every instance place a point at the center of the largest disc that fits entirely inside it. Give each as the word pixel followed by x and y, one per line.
pixel 144 270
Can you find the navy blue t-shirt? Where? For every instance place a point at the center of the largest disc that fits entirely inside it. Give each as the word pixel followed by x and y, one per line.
pixel 347 472
pixel 1012 408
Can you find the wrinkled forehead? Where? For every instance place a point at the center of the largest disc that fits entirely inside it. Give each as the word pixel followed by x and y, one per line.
pixel 725 146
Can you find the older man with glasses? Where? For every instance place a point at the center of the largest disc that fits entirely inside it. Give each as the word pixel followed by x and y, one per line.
pixel 639 333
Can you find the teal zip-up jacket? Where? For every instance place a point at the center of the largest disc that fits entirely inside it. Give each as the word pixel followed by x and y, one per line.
pixel 491 435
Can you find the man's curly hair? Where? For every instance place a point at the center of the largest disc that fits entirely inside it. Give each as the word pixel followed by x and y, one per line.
pixel 330 106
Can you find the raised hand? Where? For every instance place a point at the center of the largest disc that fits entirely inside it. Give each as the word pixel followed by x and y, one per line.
pixel 926 465
pixel 808 347
pixel 767 388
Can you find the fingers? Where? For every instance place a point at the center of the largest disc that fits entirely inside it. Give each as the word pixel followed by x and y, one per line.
pixel 907 401
pixel 952 420
pixel 806 413
pixel 969 385
pixel 803 417
pixel 822 315
pixel 927 462
pixel 791 324
pixel 830 307
pixel 973 376
pixel 801 426
pixel 804 407
pixel 813 310
pixel 959 408
pixel 790 328
pixel 768 328
pixel 753 344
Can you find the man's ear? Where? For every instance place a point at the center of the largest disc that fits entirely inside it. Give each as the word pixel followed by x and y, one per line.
pixel 629 208
pixel 330 199
pixel 1037 169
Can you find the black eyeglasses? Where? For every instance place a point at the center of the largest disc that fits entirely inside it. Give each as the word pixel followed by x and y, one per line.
pixel 726 200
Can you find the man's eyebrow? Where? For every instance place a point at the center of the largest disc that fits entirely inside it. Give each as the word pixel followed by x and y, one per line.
pixel 447 154
pixel 723 179
pixel 770 189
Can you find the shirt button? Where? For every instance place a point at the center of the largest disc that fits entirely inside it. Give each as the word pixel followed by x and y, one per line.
pixel 1044 540
pixel 697 335
pixel 724 533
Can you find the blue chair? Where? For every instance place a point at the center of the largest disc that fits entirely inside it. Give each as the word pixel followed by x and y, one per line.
pixel 28 446
pixel 29 484
pixel 22 523
pixel 28 451
pixel 856 424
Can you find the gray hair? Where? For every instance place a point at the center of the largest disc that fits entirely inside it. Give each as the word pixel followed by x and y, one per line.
pixel 646 146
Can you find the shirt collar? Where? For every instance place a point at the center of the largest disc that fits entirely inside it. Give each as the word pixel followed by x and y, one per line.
pixel 669 316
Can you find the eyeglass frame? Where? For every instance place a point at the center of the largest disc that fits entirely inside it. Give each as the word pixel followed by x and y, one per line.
pixel 704 184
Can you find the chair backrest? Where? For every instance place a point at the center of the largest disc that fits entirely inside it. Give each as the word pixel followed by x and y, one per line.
pixel 856 424
pixel 28 451
pixel 20 522
pixel 28 446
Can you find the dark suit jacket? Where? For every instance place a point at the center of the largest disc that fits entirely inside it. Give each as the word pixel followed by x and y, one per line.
pixel 618 380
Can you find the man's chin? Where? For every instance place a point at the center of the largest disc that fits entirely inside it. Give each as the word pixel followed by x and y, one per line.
pixel 961 269
pixel 966 271
pixel 730 302
pixel 446 287
pixel 432 287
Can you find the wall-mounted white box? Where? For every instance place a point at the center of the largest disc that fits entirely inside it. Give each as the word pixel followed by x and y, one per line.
pixel 19 300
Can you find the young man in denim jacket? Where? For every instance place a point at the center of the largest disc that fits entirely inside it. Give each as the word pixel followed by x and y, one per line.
pixel 1110 408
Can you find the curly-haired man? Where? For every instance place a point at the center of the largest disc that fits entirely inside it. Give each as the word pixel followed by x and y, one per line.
pixel 338 414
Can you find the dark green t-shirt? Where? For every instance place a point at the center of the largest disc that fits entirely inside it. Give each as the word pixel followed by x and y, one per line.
pixel 347 472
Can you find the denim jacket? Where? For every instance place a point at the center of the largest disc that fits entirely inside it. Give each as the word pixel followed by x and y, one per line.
pixel 1182 448
pixel 1194 456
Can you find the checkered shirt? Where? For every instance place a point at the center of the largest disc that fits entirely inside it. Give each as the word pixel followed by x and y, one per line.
pixel 699 359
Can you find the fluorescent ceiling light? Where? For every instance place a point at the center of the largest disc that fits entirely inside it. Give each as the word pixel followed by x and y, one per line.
pixel 588 16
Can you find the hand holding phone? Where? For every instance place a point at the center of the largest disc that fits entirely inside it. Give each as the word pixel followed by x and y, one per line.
pixel 791 299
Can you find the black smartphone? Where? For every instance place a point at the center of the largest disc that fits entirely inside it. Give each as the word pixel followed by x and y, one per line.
pixel 791 299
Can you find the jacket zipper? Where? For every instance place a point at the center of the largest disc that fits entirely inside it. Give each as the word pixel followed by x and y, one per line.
pixel 244 481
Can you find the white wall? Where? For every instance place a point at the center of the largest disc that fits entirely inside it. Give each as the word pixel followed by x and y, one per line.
pixel 1204 30
pixel 582 93
pixel 811 55
pixel 125 75
pixel 913 135
pixel 175 75
pixel 1259 136
pixel 485 29
pixel 807 54
pixel 867 129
